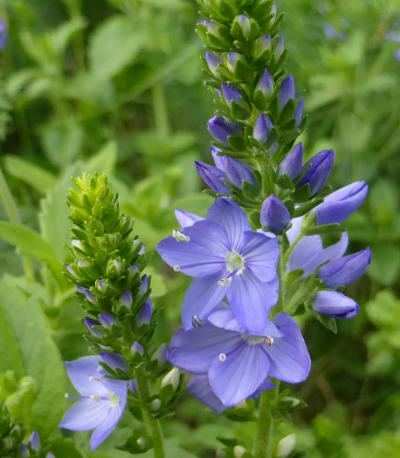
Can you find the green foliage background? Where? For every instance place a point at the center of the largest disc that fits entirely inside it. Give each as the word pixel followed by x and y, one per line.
pixel 115 86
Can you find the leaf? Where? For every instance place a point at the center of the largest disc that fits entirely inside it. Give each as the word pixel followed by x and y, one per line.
pixel 31 352
pixel 326 321
pixel 324 229
pixel 172 450
pixel 115 44
pixel 385 264
pixel 31 244
pixel 104 160
pixel 32 174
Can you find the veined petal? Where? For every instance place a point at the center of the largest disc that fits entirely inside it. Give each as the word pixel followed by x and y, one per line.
pixel 202 296
pixel 295 229
pixel 265 386
pixel 337 250
pixel 290 360
pixel 199 387
pixel 194 350
pixel 231 218
pixel 84 415
pixel 81 372
pixel 106 427
pixel 186 219
pixel 261 255
pixel 251 301
pixel 203 254
pixel 238 376
pixel 307 255
pixel 224 318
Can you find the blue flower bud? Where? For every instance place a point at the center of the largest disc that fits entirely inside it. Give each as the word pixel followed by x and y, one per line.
pixel 212 62
pixel 212 177
pixel 145 313
pixel 132 386
pixel 34 441
pixel 287 92
pixel 264 90
pixel 298 116
pixel 136 348
pixel 161 355
pixel 274 214
pixel 244 28
pixel 88 295
pixel 343 271
pixel 262 128
pixel 235 171
pixel 89 323
pixel 221 129
pixel 126 299
pixel 3 34
pixel 293 163
pixel 237 64
pixel 107 320
pixel 339 205
pixel 279 48
pixel 232 94
pixel 144 285
pixel 335 305
pixel 261 48
pixel 319 167
pixel 114 360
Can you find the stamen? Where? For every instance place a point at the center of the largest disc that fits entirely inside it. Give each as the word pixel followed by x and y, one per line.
pixel 222 357
pixel 94 378
pixel 225 281
pixel 196 321
pixel 177 268
pixel 95 397
pixel 269 341
pixel 180 237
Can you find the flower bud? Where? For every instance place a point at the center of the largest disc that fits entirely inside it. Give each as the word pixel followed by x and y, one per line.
pixel 88 295
pixel 339 205
pixel 343 271
pixel 161 355
pixel 285 446
pixel 237 64
pixel 145 313
pixel 89 323
pixel 136 348
pixel 262 128
pixel 3 34
pixel 279 48
pixel 155 405
pixel 274 215
pixel 287 92
pixel 335 305
pixel 213 61
pixel 293 163
pixel 244 28
pixel 126 299
pixel 107 320
pixel 212 177
pixel 238 451
pixel 261 48
pixel 217 34
pixel 235 171
pixel 298 116
pixel 114 360
pixel 34 441
pixel 172 378
pixel 264 90
pixel 144 285
pixel 319 167
pixel 221 129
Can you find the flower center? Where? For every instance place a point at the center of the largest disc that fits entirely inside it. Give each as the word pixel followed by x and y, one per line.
pixel 113 399
pixel 234 262
pixel 253 340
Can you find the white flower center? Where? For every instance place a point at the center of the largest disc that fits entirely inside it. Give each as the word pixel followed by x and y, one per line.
pixel 113 399
pixel 234 262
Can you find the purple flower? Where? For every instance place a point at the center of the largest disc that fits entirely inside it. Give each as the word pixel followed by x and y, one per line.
pixel 339 205
pixel 212 62
pixel 3 34
pixel 274 214
pixel 212 177
pixel 287 92
pixel 319 168
pixel 237 362
pixel 262 128
pixel 101 403
pixel 335 305
pixel 227 259
pixel 293 163
pixel 221 129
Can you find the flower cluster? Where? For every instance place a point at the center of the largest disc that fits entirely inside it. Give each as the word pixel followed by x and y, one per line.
pixel 260 254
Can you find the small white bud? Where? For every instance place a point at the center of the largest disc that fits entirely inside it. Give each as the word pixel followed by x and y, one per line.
pixel 155 405
pixel 77 244
pixel 294 402
pixel 238 451
pixel 180 237
pixel 142 442
pixel 286 445
pixel 172 378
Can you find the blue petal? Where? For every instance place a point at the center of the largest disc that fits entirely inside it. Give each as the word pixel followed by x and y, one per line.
pixel 194 350
pixel 106 427
pixel 202 296
pixel 202 255
pixel 265 386
pixel 293 163
pixel 186 219
pixel 290 360
pixel 84 415
pixel 231 218
pixel 212 177
pixel 80 372
pixel 199 387
pixel 238 377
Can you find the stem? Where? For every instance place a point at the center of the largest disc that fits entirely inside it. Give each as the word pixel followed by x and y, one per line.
pixel 13 216
pixel 152 425
pixel 265 426
pixel 160 110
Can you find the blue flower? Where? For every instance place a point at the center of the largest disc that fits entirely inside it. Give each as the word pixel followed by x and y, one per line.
pixel 335 305
pixel 318 169
pixel 227 259
pixel 238 362
pixel 101 401
pixel 221 129
pixel 274 214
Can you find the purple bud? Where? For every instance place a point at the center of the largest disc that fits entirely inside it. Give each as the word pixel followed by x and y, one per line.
pixel 24 451
pixel 335 305
pixel 265 85
pixel 235 171
pixel 88 295
pixel 274 214
pixel 161 355
pixel 232 59
pixel 212 27
pixel 287 92
pixel 186 219
pixel 144 285
pixel 298 116
pixel 280 48
pixel 3 34
pixel 343 271
pixel 262 47
pixel 136 348
pixel 71 271
pixel 262 128
pixel 319 167
pixel 145 313
pixel 232 94
pixel 126 299
pixel 107 320
pixel 212 62
pixel 50 455
pixel 132 386
pixel 34 440
pixel 89 323
pixel 114 360
pixel 330 31
pixel 339 205
pixel 101 285
pixel 221 129
pixel 293 163
pixel 245 25
pixel 212 177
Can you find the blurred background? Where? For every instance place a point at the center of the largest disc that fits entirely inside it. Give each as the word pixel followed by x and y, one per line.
pixel 116 86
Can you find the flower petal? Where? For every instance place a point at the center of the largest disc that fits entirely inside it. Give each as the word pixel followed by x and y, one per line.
pixel 290 360
pixel 199 387
pixel 186 219
pixel 231 218
pixel 84 415
pixel 335 305
pixel 240 374
pixel 106 427
pixel 202 296
pixel 80 372
pixel 194 350
pixel 202 254
pixel 265 386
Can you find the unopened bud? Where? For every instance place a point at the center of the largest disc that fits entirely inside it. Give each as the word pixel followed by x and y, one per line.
pixel 172 378
pixel 286 445
pixel 155 405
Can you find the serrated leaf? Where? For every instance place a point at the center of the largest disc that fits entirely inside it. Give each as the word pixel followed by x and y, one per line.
pixel 324 229
pixel 326 321
pixel 31 352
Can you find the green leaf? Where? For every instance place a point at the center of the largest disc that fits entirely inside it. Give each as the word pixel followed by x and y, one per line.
pixel 37 177
pixel 326 321
pixel 30 351
pixel 104 161
pixel 385 264
pixel 31 244
pixel 324 229
pixel 172 450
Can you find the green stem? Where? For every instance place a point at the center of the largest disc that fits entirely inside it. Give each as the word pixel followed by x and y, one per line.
pixel 153 426
pixel 13 216
pixel 160 110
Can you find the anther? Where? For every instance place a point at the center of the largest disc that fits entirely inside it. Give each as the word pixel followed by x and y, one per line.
pixel 92 377
pixel 177 268
pixel 225 281
pixel 180 237
pixel 196 321
pixel 222 357
pixel 269 341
